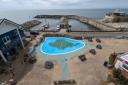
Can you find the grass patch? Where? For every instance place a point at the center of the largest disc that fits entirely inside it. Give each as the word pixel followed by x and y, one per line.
pixel 62 44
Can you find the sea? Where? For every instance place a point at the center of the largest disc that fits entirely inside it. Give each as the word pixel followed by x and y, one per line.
pixel 21 16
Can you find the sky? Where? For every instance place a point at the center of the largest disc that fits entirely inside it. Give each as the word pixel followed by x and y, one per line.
pixel 61 4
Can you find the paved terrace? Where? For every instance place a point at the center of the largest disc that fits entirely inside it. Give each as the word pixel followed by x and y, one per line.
pixel 90 72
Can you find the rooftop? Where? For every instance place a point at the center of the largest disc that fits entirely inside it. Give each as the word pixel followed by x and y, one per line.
pixel 118 11
pixel 7 25
pixel 1 20
pixel 124 57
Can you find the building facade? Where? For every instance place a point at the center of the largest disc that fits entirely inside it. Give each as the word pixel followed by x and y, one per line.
pixel 116 16
pixel 11 38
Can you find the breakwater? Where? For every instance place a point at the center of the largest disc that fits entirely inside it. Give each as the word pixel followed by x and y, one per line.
pixel 54 16
pixel 29 24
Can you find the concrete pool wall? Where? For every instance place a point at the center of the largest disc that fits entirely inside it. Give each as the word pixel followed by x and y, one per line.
pixel 45 48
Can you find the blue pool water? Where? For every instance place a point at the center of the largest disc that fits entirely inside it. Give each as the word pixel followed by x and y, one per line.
pixel 48 49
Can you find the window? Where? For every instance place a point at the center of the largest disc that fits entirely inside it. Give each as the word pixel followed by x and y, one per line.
pixel 16 33
pixel 6 39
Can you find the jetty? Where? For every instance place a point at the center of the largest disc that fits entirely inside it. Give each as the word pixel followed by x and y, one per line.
pixel 92 22
pixel 29 24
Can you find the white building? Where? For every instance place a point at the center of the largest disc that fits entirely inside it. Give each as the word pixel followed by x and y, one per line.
pixel 122 64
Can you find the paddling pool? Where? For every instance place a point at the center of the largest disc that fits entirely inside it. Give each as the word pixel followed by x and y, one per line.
pixel 60 45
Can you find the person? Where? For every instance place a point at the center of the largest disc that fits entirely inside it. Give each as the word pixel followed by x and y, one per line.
pixel 12 81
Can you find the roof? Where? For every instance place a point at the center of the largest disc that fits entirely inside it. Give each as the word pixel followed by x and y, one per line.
pixel 8 26
pixel 118 11
pixel 0 20
pixel 121 62
pixel 124 57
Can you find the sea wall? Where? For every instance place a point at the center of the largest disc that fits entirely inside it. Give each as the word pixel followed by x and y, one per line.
pixel 29 24
pixel 53 16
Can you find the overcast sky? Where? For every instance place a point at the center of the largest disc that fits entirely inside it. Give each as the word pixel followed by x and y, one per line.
pixel 61 4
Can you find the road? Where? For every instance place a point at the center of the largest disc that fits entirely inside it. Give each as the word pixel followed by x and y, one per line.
pixel 94 34
pixel 102 34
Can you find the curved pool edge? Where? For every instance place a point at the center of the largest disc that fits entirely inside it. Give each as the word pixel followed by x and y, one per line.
pixel 81 41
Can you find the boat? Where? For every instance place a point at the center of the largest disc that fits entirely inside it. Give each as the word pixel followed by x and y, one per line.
pixel 46 25
pixel 116 16
pixel 70 26
pixel 58 27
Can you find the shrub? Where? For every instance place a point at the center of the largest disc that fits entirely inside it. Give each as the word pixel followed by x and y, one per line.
pixel 120 79
pixel 112 58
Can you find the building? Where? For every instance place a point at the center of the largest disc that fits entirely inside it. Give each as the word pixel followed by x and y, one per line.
pixel 122 64
pixel 11 38
pixel 116 16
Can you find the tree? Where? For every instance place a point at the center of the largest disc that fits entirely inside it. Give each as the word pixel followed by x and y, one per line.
pixel 112 58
